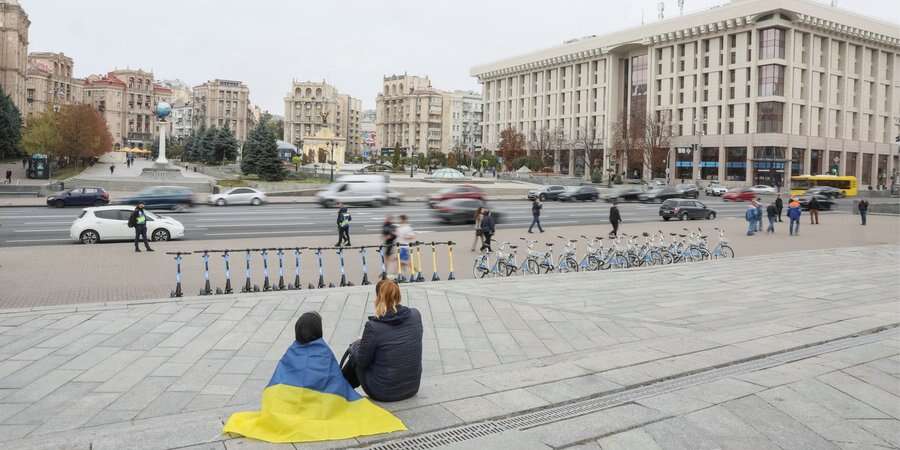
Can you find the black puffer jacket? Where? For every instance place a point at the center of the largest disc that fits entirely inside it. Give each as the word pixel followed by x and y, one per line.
pixel 389 355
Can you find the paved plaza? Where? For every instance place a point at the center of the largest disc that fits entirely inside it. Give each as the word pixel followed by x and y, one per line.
pixel 165 374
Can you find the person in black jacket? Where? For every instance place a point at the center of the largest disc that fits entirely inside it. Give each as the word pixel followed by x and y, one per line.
pixel 343 225
pixel 536 207
pixel 614 219
pixel 487 229
pixel 138 221
pixel 387 360
pixel 813 206
pixel 779 206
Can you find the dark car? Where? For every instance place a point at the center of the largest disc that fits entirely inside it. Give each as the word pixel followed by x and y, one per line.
pixel 685 209
pixel 89 196
pixel 626 194
pixel 461 191
pixel 581 193
pixel 659 195
pixel 688 190
pixel 825 203
pixel 825 191
pixel 546 192
pixel 163 197
pixel 460 211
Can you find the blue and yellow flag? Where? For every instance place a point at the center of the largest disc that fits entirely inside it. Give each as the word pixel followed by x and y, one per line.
pixel 308 399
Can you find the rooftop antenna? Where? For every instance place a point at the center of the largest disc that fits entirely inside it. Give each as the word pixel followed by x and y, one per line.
pixel 642 16
pixel 681 7
pixel 661 7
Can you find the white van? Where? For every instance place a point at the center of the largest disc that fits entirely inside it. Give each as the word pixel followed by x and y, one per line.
pixel 371 190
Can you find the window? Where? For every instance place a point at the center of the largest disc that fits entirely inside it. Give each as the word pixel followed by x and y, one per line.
pixel 771 43
pixel 769 117
pixel 771 80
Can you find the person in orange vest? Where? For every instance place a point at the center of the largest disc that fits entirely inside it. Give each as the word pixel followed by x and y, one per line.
pixel 793 213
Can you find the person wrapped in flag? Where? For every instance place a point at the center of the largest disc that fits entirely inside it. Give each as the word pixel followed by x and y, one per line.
pixel 308 399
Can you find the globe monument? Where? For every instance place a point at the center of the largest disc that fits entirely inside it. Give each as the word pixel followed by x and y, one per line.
pixel 163 110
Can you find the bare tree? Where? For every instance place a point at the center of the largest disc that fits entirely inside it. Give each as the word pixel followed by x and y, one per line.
pixel 539 146
pixel 558 140
pixel 624 140
pixel 590 141
pixel 657 133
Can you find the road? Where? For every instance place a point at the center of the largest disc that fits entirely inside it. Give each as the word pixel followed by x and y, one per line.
pixel 46 226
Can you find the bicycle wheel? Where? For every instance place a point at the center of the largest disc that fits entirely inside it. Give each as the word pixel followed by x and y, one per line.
pixel 726 252
pixel 594 263
pixel 704 254
pixel 571 265
pixel 530 267
pixel 480 268
pixel 667 257
pixel 655 259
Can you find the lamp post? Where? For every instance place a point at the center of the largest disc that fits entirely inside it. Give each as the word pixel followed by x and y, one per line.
pixel 412 161
pixel 332 162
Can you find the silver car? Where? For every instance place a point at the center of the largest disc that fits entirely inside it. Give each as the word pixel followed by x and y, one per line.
pixel 238 196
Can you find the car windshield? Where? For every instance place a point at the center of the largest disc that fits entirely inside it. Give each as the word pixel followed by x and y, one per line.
pixel 670 203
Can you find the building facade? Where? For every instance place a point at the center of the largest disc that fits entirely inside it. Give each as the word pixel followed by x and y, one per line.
pixel 182 119
pixel 311 106
pixel 221 103
pixel 414 116
pixel 126 99
pixel 367 132
pixel 50 84
pixel 752 91
pixel 14 51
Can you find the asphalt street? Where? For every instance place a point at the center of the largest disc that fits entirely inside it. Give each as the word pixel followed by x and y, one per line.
pixel 48 226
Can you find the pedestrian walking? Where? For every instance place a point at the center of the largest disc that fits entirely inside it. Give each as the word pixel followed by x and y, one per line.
pixel 793 214
pixel 479 213
pixel 138 221
pixel 8 176
pixel 487 229
pixel 405 236
pixel 863 208
pixel 779 206
pixel 112 168
pixel 343 225
pixel 25 162
pixel 536 207
pixel 813 210
pixel 614 219
pixel 759 215
pixel 750 216
pixel 389 236
pixel 772 214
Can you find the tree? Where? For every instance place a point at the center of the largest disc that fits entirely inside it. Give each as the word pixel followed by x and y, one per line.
pixel 558 140
pixel 225 146
pixel 255 143
pixel 628 134
pixel 539 146
pixel 10 128
pixel 42 135
pixel 273 123
pixel 268 165
pixel 395 157
pixel 512 146
pixel 655 145
pixel 83 133
pixel 591 142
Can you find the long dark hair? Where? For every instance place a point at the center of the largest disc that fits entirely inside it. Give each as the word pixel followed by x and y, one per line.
pixel 478 212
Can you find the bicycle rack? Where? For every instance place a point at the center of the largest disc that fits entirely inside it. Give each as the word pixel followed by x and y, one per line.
pixel 418 277
pixel 265 257
pixel 296 284
pixel 247 286
pixel 227 258
pixel 450 276
pixel 365 267
pixel 207 290
pixel 321 283
pixel 434 274
pixel 179 256
pixel 280 253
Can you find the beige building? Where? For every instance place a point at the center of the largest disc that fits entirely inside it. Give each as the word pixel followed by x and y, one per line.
pixel 311 106
pixel 14 51
pixel 127 100
pixel 754 91
pixel 413 115
pixel 221 103
pixel 50 84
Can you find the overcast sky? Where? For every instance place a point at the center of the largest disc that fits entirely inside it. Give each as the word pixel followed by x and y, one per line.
pixel 350 43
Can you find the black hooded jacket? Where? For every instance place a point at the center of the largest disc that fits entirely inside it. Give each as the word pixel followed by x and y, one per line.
pixel 389 355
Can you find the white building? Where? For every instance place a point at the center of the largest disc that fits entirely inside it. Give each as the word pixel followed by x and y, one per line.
pixel 182 119
pixel 754 91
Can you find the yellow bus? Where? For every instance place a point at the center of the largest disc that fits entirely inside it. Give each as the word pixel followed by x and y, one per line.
pixel 800 184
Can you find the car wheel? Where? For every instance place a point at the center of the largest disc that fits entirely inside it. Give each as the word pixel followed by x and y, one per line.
pixel 375 203
pixel 711 216
pixel 59 204
pixel 256 202
pixel 160 234
pixel 220 202
pixel 542 197
pixel 89 237
pixel 178 208
pixel 327 204
pixel 666 218
pixel 99 202
pixel 683 216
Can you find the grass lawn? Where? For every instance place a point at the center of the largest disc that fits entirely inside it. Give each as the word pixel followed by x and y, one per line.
pixel 66 172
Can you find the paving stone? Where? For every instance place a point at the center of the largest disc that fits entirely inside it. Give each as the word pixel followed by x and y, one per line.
pixel 131 375
pixel 42 386
pixel 594 425
pixel 679 434
pixel 141 395
pixel 778 427
pixel 877 398
pixel 167 403
pixel 250 444
pixel 637 439
pixel 197 377
pixel 572 388
pixel 39 412
pixel 27 374
pixel 110 366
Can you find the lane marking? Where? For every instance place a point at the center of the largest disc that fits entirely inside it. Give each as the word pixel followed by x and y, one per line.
pixel 40 231
pixel 38 240
pixel 47 223
pixel 262 232
pixel 236 225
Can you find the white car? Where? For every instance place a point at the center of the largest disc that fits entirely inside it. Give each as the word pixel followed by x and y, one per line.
pixel 110 223
pixel 715 189
pixel 763 189
pixel 238 196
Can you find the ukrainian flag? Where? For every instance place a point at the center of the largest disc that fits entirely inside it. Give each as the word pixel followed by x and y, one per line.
pixel 308 399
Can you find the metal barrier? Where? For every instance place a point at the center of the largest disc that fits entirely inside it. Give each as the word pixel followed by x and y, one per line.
pixel 415 267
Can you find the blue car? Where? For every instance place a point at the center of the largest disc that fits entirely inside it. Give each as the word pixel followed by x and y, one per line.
pixel 89 196
pixel 163 197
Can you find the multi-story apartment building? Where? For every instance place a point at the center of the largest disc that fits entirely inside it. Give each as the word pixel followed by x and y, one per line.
pixel 462 121
pixel 753 91
pixel 14 51
pixel 182 119
pixel 415 116
pixel 367 131
pixel 222 103
pixel 127 99
pixel 50 84
pixel 312 106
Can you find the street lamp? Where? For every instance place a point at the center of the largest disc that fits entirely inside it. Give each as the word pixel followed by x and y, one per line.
pixel 332 162
pixel 412 153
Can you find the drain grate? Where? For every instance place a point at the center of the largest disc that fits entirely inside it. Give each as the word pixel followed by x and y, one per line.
pixel 600 402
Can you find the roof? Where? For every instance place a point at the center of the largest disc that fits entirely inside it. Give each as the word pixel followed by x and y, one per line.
pixel 726 16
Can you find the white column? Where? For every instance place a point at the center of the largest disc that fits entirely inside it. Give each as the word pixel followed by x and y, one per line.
pixel 571 162
pixel 161 159
pixel 587 165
